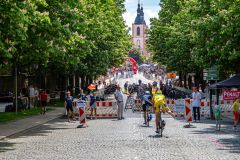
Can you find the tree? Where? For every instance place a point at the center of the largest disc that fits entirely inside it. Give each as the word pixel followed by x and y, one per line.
pixel 192 35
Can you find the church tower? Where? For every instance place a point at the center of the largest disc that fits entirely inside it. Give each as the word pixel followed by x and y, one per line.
pixel 139 28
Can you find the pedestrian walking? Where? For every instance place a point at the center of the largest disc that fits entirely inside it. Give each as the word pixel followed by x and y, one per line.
pixel 196 96
pixel 93 104
pixel 43 101
pixel 119 98
pixel 69 106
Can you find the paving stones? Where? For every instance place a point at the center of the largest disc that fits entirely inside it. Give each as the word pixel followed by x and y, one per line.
pixel 109 139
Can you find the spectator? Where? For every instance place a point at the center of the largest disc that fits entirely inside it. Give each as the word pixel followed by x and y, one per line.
pixel 31 97
pixel 43 101
pixel 119 98
pixel 69 106
pixel 82 96
pixel 126 87
pixel 93 104
pixel 196 96
pixel 36 94
pixel 24 92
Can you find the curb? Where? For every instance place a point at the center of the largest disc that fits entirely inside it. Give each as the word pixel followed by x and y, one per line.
pixel 21 131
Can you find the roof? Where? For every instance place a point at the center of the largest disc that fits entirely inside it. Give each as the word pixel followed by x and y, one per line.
pixel 233 82
pixel 140 16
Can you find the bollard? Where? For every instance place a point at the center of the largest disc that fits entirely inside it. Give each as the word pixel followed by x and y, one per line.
pixel 188 113
pixel 81 105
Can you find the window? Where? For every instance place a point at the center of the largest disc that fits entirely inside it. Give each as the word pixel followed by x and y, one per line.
pixel 138 31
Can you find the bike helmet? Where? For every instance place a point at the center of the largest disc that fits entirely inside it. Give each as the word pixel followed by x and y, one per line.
pixel 154 84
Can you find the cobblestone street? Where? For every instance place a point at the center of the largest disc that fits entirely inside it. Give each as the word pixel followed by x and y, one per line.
pixel 126 139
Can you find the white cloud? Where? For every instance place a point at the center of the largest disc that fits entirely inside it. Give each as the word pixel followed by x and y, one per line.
pixel 150 13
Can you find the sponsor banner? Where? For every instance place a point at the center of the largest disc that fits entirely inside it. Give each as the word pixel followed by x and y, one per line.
pixel 231 94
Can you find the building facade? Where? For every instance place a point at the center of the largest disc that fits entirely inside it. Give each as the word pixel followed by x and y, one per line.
pixel 139 29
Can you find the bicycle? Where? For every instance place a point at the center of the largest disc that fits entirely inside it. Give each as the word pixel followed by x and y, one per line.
pixel 148 115
pixel 161 124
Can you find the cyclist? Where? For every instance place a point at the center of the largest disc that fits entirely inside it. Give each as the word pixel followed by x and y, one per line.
pixel 154 87
pixel 146 101
pixel 159 102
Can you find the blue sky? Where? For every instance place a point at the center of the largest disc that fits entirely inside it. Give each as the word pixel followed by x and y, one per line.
pixel 150 8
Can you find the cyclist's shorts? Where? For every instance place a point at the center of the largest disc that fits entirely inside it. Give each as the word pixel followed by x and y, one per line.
pixel 145 106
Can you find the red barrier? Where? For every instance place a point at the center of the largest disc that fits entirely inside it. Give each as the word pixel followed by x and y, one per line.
pixel 105 109
pixel 188 110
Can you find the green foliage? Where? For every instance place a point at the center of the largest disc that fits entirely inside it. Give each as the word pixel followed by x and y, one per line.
pixel 192 35
pixel 63 36
pixel 12 116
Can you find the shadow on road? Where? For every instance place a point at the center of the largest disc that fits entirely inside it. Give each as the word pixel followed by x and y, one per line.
pixel 225 139
pixel 157 136
pixel 6 146
pixel 40 130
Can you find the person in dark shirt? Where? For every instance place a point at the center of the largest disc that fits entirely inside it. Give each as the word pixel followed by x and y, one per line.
pixel 82 96
pixel 69 106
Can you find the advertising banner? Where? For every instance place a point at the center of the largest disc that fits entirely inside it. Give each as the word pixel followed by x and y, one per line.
pixel 231 94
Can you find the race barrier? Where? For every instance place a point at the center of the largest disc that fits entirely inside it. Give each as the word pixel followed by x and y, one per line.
pixel 105 109
pixel 175 105
pixel 188 111
pixel 178 106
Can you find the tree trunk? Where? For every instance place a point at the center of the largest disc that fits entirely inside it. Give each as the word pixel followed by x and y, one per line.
pixel 185 80
pixel 16 88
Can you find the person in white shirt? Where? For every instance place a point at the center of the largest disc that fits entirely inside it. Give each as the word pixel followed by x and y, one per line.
pixel 31 96
pixel 196 97
pixel 119 98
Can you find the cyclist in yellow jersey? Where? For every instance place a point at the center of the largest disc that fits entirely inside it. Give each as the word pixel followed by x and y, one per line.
pixel 159 102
